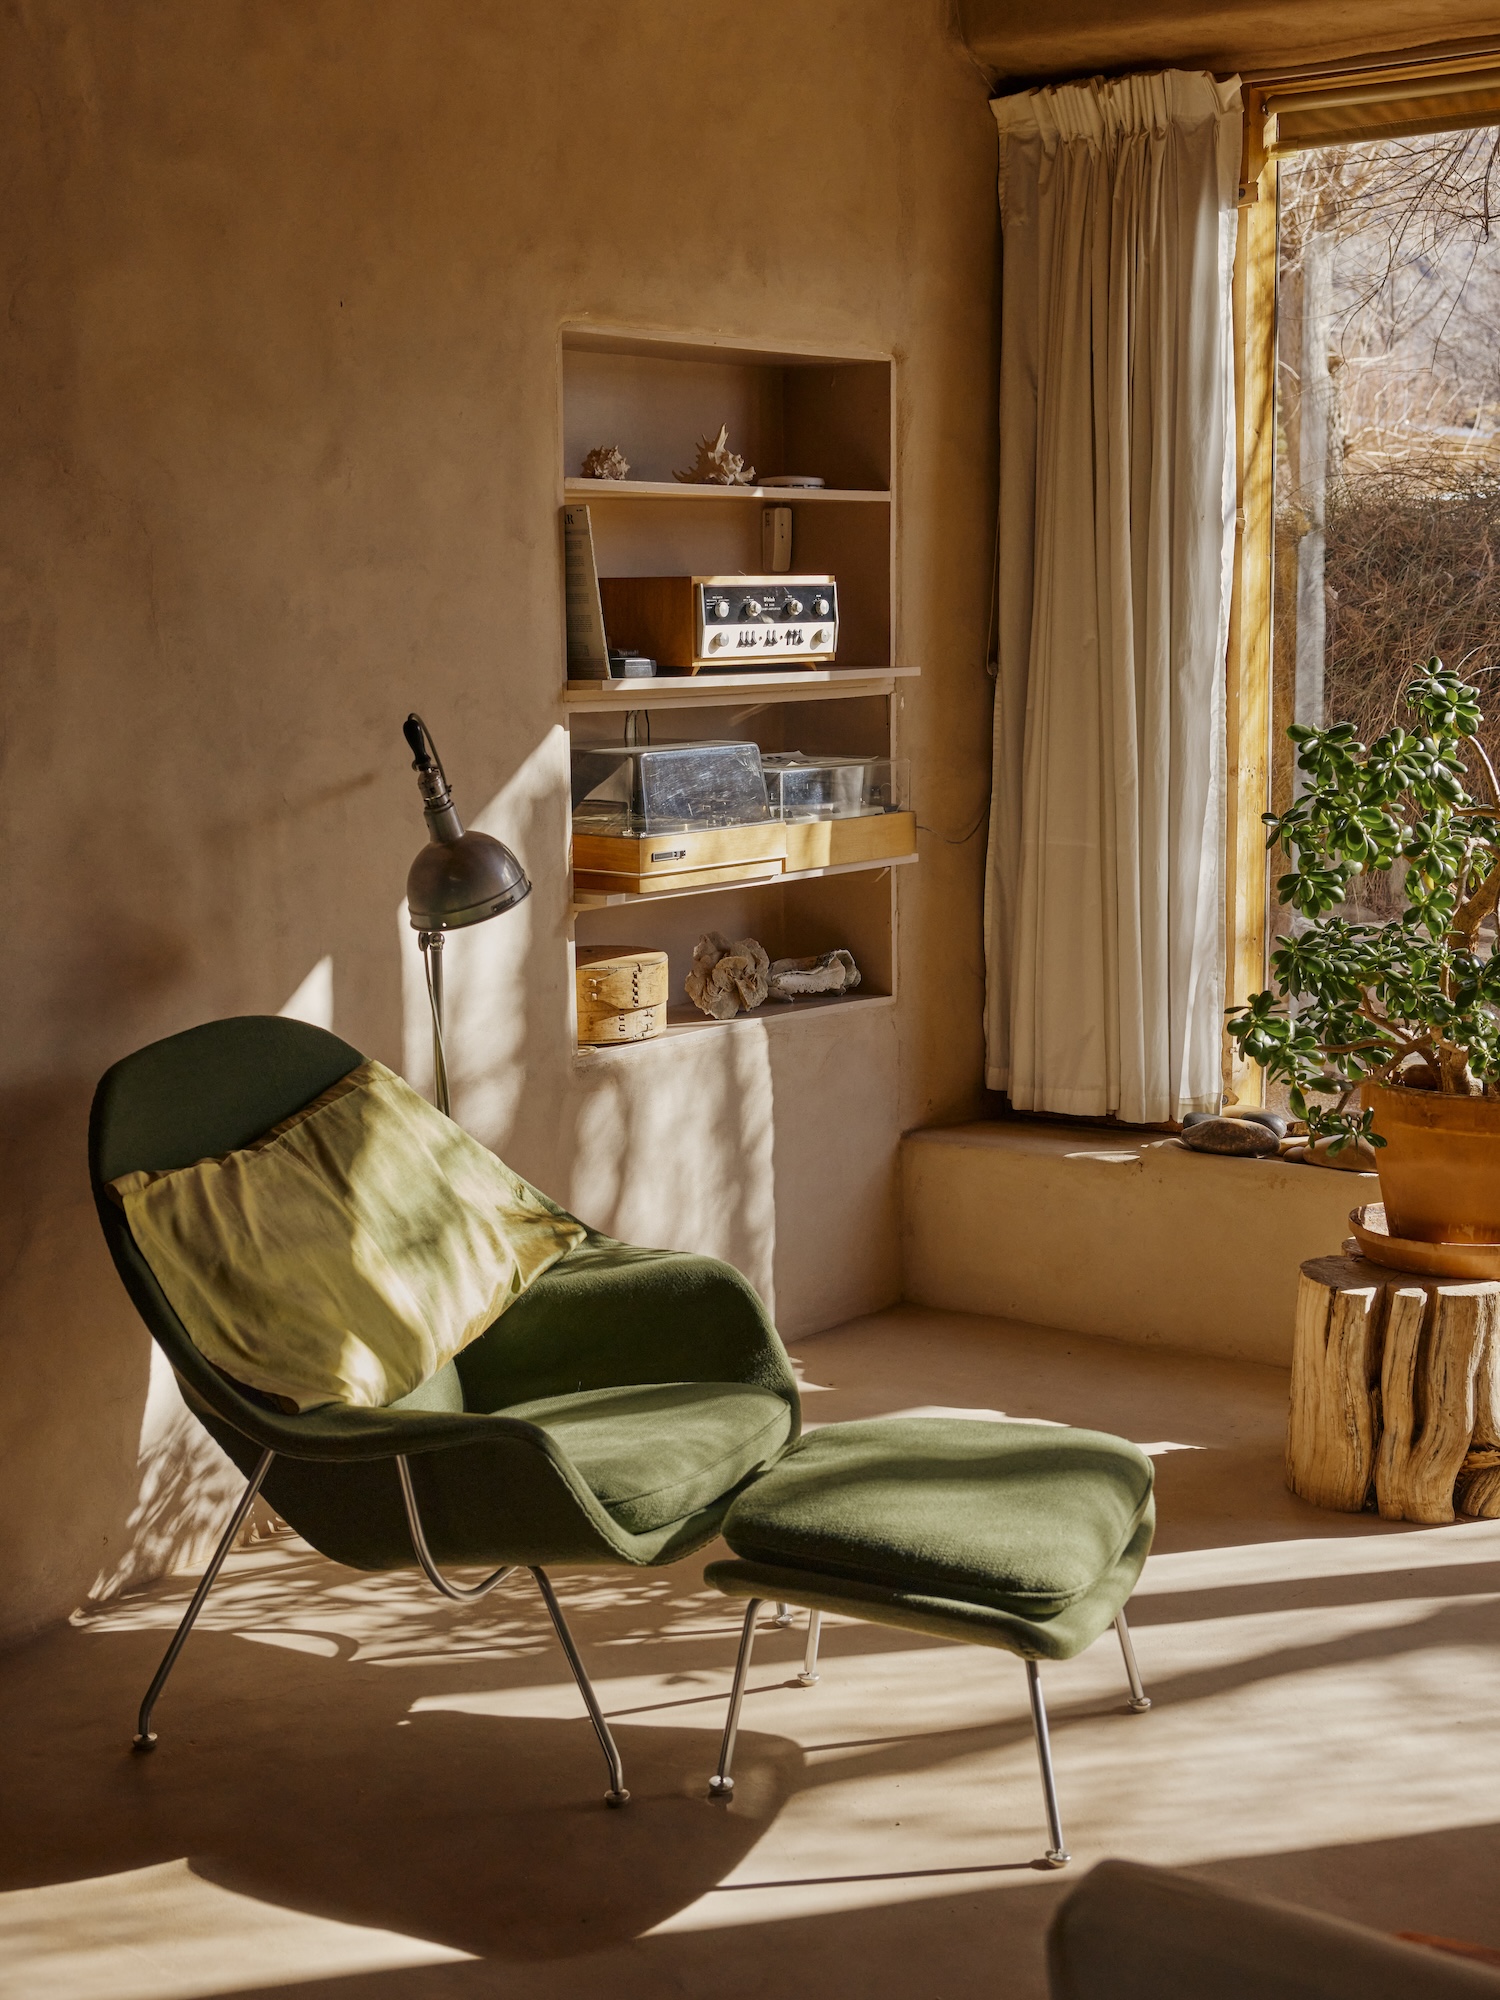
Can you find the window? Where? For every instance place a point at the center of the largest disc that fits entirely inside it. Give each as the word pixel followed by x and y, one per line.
pixel 1370 429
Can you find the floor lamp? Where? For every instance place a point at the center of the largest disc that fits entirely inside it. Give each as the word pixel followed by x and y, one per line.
pixel 458 879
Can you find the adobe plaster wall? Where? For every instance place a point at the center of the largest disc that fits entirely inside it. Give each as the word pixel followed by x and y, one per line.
pixel 1094 1230
pixel 281 437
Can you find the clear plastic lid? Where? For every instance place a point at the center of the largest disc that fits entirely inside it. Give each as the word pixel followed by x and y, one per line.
pixel 802 786
pixel 646 787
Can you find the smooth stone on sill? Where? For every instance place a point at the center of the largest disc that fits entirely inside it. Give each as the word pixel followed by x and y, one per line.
pixel 1272 1120
pixel 1241 1138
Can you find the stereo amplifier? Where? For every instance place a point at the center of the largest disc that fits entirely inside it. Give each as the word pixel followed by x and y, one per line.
pixel 690 623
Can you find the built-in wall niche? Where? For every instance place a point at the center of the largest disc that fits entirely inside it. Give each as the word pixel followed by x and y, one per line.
pixel 787 413
pixel 858 728
pixel 816 415
pixel 791 919
pixel 796 414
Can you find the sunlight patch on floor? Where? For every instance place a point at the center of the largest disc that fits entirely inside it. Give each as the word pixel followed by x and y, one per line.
pixel 164 1933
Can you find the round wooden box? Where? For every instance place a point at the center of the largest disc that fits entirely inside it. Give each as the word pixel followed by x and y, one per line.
pixel 622 994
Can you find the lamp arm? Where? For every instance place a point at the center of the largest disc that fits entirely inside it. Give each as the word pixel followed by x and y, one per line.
pixel 443 822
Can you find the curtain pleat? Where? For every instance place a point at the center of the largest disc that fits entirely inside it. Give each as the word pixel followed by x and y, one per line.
pixel 1104 904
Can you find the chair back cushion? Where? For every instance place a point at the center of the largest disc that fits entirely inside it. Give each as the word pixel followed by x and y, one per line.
pixel 348 1253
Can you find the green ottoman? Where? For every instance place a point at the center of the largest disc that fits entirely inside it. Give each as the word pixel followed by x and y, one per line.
pixel 1028 1537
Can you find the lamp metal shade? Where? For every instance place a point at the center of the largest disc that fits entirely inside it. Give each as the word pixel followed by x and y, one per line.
pixel 453 883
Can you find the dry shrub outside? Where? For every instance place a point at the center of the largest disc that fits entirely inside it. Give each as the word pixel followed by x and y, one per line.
pixel 1410 572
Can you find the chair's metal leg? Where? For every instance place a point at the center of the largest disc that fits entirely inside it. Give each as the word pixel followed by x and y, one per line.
pixel 144 1737
pixel 617 1794
pixel 809 1674
pixel 460 1593
pixel 783 1617
pixel 1140 1701
pixel 721 1786
pixel 1057 1855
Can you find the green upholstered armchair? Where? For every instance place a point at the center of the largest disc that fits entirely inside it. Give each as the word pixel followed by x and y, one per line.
pixel 609 1416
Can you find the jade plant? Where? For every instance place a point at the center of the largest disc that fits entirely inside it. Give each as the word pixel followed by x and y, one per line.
pixel 1414 1001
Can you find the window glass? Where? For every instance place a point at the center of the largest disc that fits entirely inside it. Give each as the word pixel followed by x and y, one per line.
pixel 1387 529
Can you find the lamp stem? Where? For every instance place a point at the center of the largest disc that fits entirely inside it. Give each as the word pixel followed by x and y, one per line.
pixel 431 943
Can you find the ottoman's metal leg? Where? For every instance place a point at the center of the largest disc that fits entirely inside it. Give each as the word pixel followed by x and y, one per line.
pixel 722 1785
pixel 1057 1855
pixel 1140 1701
pixel 783 1617
pixel 809 1674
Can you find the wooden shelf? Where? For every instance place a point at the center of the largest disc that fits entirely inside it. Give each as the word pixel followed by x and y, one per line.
pixel 683 1018
pixel 713 690
pixel 670 489
pixel 590 900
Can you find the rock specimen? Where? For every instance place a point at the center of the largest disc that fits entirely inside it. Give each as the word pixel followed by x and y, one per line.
pixel 606 461
pixel 726 977
pixel 717 465
pixel 793 978
pixel 1244 1137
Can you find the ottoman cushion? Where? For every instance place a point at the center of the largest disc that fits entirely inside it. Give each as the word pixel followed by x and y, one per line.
pixel 1030 1536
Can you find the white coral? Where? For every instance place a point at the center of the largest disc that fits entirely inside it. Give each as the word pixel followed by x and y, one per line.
pixel 793 978
pixel 726 977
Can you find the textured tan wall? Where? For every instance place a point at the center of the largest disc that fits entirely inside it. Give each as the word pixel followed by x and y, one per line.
pixel 281 434
pixel 1089 1230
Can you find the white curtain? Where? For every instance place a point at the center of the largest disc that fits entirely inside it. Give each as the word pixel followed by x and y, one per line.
pixel 1104 912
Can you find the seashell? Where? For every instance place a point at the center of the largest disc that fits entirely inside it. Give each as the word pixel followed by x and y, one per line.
pixel 606 461
pixel 717 465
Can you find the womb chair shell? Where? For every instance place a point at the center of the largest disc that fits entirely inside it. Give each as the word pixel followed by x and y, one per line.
pixel 675 1337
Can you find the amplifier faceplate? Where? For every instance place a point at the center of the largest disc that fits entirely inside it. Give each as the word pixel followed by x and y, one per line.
pixel 762 617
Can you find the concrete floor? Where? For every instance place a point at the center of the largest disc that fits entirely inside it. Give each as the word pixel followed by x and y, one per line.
pixel 362 1793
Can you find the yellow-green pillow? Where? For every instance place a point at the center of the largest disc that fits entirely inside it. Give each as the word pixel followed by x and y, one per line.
pixel 349 1254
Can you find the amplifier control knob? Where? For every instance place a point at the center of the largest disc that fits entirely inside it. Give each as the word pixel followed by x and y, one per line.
pixel 751 607
pixel 821 607
pixel 821 640
pixel 718 607
pixel 792 608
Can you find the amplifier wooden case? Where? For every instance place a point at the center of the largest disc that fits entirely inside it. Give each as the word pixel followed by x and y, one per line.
pixel 688 624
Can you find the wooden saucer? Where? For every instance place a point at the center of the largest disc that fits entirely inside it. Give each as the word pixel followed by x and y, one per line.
pixel 1430 1260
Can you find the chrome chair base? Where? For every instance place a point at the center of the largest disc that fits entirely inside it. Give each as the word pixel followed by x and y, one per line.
pixel 145 1738
pixel 721 1785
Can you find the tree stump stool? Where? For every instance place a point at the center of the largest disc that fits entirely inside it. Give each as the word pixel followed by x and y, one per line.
pixel 1395 1389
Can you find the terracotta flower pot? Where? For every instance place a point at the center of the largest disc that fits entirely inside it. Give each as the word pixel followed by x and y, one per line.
pixel 1440 1166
